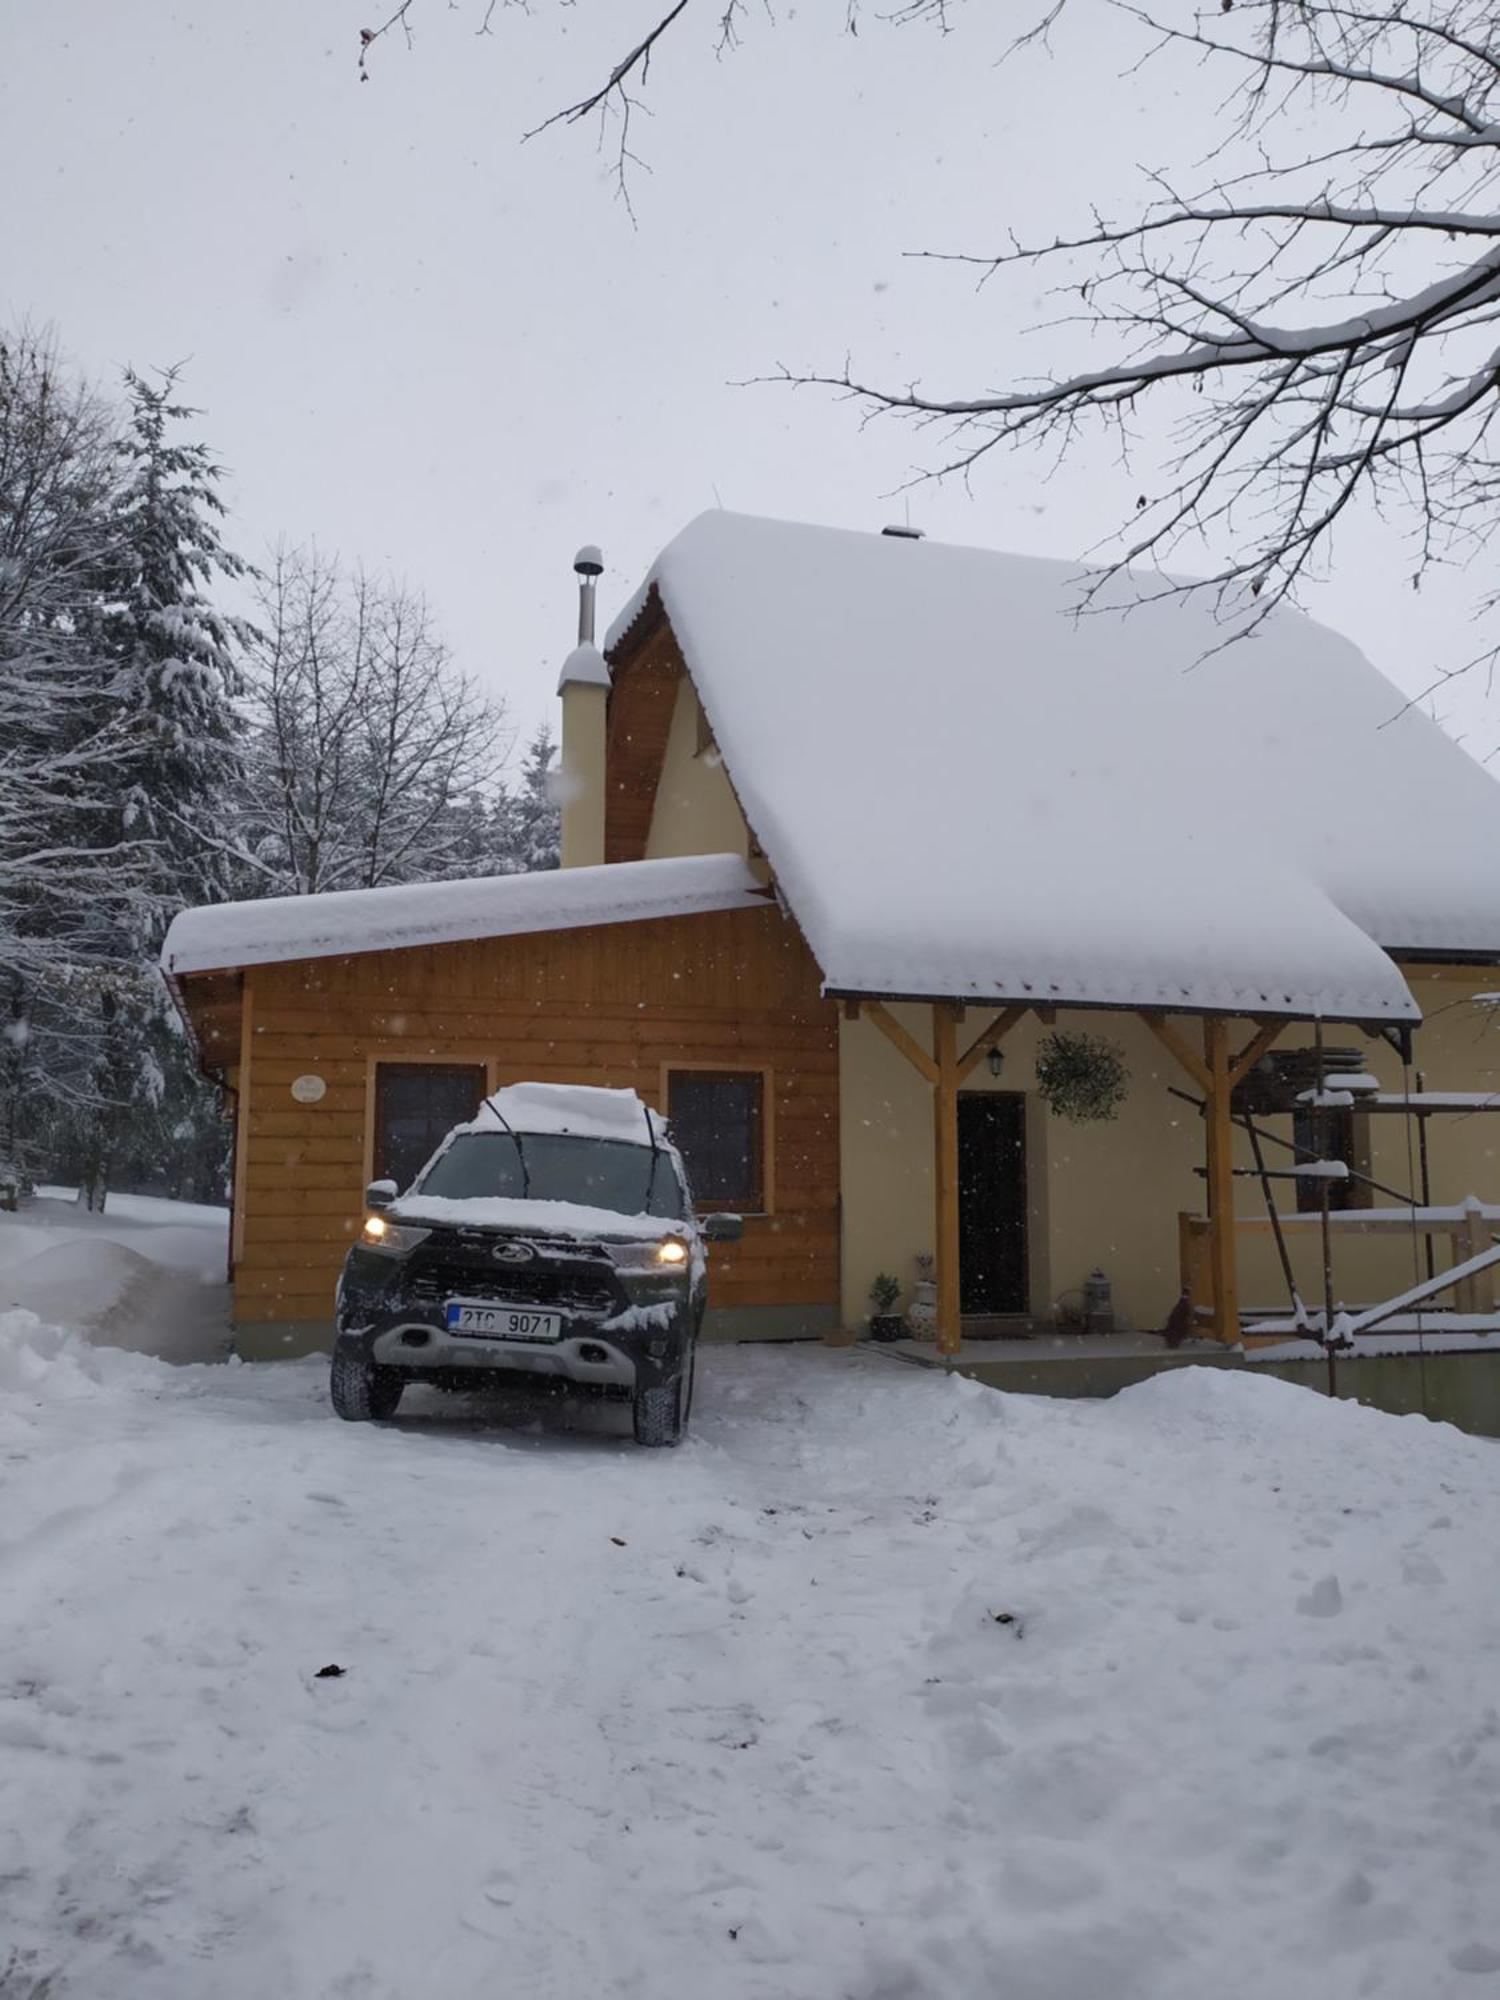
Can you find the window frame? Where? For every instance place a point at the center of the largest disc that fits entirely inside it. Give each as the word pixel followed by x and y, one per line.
pixel 766 1129
pixel 464 1057
pixel 1352 1128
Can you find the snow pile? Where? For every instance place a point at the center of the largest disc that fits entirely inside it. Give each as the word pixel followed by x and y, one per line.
pixel 577 1109
pixel 1089 808
pixel 38 1359
pixel 417 913
pixel 883 1685
pixel 147 1274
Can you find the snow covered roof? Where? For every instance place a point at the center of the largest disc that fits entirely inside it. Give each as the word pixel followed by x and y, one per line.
pixel 350 920
pixel 966 790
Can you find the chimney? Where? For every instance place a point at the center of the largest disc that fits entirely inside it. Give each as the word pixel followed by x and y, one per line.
pixel 589 566
pixel 584 688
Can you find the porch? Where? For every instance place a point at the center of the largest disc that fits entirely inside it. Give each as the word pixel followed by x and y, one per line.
pixel 1128 1195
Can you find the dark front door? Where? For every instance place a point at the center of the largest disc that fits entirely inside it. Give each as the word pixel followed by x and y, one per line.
pixel 992 1202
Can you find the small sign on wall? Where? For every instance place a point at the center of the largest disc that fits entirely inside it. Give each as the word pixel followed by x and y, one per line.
pixel 309 1089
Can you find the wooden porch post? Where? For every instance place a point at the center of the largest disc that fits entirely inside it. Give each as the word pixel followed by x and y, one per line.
pixel 945 1162
pixel 945 1069
pixel 1219 1132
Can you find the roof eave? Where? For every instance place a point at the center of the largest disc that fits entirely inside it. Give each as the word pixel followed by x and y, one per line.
pixel 1045 1003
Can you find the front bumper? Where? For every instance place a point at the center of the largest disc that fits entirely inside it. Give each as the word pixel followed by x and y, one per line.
pixel 617 1335
pixel 588 1354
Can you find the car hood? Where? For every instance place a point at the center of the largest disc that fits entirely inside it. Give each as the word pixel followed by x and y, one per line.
pixel 547 1218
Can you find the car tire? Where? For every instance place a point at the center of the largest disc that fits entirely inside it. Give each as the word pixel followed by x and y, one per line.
pixel 361 1392
pixel 661 1412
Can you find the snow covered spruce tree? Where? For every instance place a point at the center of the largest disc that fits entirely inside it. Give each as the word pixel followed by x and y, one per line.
pixel 67 879
pixel 529 819
pixel 372 759
pixel 115 692
pixel 167 673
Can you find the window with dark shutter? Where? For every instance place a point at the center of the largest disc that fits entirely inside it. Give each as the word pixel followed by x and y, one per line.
pixel 416 1106
pixel 1332 1132
pixel 718 1122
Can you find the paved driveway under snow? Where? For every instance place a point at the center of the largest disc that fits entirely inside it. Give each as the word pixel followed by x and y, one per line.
pixel 882 1686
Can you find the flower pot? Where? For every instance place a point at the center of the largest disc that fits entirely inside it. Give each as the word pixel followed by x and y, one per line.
pixel 921 1314
pixel 887 1326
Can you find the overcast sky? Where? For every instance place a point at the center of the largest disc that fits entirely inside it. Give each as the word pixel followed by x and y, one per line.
pixel 443 351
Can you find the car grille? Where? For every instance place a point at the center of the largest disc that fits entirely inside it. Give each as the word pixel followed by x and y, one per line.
pixel 558 1289
pixel 454 1268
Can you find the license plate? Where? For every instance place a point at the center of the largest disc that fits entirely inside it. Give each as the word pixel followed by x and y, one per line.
pixel 503 1322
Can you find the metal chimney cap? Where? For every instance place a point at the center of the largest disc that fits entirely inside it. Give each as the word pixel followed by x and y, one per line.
pixel 589 560
pixel 905 533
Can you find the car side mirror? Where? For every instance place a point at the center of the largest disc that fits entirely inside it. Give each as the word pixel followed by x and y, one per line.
pixel 723 1228
pixel 380 1194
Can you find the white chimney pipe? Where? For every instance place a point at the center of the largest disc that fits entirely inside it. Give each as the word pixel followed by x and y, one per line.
pixel 589 564
pixel 584 688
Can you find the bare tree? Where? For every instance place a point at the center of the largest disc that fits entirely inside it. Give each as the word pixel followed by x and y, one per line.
pixel 365 740
pixel 1313 330
pixel 1317 330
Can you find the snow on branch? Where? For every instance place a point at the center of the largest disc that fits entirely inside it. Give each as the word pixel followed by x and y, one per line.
pixel 1322 329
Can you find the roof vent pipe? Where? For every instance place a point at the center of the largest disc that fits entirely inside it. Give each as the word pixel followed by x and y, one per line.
pixel 589 565
pixel 906 533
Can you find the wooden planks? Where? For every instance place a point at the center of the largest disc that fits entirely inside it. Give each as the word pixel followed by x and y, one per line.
pixel 945 1132
pixel 613 1005
pixel 642 695
pixel 1220 1131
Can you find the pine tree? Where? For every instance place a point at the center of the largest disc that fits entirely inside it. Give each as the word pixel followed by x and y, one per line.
pixel 534 821
pixel 167 677
pixel 173 656
pixel 65 879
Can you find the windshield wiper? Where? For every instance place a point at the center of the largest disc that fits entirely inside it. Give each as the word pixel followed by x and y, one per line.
pixel 655 1158
pixel 520 1149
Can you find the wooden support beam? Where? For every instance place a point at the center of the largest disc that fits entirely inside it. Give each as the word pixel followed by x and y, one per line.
pixel 240 1184
pixel 1219 1129
pixel 992 1037
pixel 1252 1052
pixel 945 1150
pixel 908 1044
pixel 851 1010
pixel 1175 1046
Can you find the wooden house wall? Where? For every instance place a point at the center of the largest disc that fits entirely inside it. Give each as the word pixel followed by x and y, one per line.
pixel 643 694
pixel 616 1005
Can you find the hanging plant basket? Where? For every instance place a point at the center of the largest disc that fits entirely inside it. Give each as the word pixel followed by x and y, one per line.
pixel 1082 1078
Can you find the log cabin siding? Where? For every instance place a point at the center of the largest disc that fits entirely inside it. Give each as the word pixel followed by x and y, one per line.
pixel 616 1005
pixel 646 675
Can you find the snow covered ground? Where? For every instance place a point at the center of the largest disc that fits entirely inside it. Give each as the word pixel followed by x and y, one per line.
pixel 148 1274
pixel 884 1686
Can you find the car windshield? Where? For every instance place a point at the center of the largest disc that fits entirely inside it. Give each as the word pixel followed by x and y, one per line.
pixel 598 1173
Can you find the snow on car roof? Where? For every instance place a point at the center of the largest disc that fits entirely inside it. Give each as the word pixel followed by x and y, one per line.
pixel 223 935
pixel 577 1109
pixel 971 785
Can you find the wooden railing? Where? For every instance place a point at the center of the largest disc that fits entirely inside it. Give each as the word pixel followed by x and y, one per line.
pixel 1468 1229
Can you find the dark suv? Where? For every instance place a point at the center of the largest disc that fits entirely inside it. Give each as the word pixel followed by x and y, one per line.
pixel 551 1241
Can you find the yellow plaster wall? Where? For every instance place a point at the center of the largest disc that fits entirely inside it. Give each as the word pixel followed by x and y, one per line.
pixel 582 771
pixel 695 811
pixel 1110 1194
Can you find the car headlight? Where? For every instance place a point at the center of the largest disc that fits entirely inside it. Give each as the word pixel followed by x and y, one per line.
pixel 390 1239
pixel 670 1254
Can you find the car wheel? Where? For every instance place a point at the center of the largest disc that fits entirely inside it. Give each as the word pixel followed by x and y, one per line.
pixel 361 1392
pixel 661 1412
